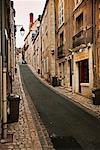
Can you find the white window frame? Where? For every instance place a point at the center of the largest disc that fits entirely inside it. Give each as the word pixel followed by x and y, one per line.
pixel 61 12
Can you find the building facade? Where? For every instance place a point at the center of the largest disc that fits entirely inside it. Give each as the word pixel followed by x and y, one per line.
pixel 7 47
pixel 77 55
pixel 48 40
pixel 11 48
pixel 36 57
pixel 68 44
pixel 28 41
pixel 64 31
pixel 98 42
pixel 84 47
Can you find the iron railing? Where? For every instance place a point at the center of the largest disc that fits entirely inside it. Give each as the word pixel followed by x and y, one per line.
pixel 82 37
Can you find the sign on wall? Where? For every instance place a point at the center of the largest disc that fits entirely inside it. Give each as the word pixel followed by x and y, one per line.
pixel 81 56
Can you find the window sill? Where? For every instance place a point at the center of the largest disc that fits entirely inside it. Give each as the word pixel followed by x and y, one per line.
pixel 85 84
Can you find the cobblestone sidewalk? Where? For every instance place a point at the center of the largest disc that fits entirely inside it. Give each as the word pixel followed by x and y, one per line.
pixel 81 101
pixel 24 135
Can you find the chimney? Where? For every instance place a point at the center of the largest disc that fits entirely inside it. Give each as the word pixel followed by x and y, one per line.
pixel 31 20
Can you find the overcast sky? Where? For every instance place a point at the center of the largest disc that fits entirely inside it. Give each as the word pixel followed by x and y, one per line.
pixel 23 8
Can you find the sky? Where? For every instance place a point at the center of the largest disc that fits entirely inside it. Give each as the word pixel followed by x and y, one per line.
pixel 23 8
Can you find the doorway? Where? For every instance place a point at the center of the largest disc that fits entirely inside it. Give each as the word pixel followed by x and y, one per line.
pixel 83 72
pixel 70 71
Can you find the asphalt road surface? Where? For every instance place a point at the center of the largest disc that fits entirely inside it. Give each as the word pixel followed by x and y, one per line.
pixel 69 126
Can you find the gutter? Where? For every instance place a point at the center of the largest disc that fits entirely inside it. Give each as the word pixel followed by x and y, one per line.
pixel 94 42
pixel 4 71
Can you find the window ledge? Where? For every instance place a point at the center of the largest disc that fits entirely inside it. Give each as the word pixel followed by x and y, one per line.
pixel 85 84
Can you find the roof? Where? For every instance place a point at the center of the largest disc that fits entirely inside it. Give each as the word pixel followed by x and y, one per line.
pixel 44 9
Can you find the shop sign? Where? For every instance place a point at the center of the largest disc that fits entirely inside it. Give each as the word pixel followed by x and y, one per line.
pixel 81 56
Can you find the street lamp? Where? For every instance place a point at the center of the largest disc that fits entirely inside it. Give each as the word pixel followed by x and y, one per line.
pixel 22 30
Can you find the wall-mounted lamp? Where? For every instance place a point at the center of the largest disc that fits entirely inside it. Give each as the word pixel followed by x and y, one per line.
pixel 80 50
pixel 89 45
pixel 22 30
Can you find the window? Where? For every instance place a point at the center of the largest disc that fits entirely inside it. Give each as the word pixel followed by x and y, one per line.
pixel 62 38
pixel 60 51
pixel 79 22
pixel 61 12
pixel 46 65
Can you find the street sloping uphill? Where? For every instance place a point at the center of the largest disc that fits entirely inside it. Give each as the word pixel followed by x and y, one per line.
pixel 69 126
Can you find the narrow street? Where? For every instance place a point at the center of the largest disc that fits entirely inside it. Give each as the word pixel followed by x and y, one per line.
pixel 69 126
pixel 49 75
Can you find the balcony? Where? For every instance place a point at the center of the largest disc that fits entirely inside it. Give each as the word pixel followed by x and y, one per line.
pixel 82 37
pixel 78 39
pixel 60 52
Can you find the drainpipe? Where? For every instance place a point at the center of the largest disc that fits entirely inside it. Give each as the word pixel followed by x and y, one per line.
pixel 4 98
pixel 4 104
pixel 0 93
pixel 94 41
pixel 0 79
pixel 72 66
pixel 41 46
